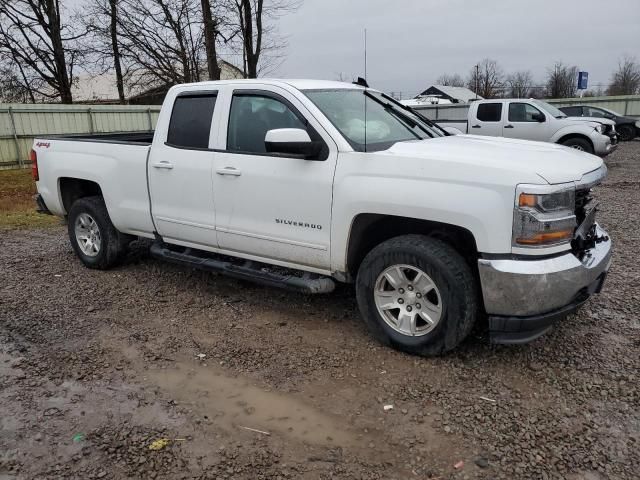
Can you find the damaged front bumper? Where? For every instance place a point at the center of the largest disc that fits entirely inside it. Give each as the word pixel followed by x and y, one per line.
pixel 525 297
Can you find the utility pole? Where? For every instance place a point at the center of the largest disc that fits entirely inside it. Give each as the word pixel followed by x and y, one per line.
pixel 477 78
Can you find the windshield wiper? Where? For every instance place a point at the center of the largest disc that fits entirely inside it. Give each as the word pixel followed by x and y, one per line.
pixel 399 115
pixel 417 114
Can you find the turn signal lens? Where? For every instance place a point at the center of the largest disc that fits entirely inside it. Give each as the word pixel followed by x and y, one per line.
pixel 546 238
pixel 528 200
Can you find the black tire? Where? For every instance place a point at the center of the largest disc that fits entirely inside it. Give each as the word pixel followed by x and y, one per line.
pixel 579 144
pixel 626 132
pixel 448 270
pixel 113 244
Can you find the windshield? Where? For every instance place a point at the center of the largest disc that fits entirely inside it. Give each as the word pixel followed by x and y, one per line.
pixel 367 120
pixel 550 109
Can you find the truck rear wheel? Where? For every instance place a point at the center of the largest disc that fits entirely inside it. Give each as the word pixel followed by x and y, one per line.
pixel 417 294
pixel 93 237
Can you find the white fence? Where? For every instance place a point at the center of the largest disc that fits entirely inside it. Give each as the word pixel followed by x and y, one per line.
pixel 21 123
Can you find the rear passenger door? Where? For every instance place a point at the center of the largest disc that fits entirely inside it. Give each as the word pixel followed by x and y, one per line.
pixel 272 205
pixel 180 169
pixel 488 120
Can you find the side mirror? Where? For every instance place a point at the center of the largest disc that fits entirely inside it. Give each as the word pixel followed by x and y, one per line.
pixel 293 142
pixel 538 117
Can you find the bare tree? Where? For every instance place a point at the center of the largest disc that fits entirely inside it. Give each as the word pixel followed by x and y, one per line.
pixel 625 80
pixel 450 80
pixel 486 79
pixel 258 34
pixel 103 45
pixel 13 87
pixel 519 84
pixel 562 81
pixel 161 41
pixel 36 40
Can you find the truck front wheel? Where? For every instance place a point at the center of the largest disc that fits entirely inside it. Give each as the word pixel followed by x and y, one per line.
pixel 93 237
pixel 417 294
pixel 579 144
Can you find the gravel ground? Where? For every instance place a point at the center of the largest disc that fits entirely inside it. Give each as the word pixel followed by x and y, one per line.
pixel 248 382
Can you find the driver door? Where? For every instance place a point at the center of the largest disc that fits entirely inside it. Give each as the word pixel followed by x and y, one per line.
pixel 521 122
pixel 272 205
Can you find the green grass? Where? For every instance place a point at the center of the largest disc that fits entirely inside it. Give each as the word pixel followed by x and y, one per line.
pixel 17 207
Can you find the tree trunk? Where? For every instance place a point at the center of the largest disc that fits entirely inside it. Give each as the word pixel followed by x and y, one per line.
pixel 210 41
pixel 113 4
pixel 63 81
pixel 252 58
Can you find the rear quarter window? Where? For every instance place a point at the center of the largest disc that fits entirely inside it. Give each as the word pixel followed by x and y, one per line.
pixel 190 122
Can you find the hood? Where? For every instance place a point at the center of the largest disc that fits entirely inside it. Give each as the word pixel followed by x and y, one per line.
pixel 554 163
pixel 594 120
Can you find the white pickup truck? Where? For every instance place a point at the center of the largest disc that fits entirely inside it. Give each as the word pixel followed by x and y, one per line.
pixel 536 120
pixel 336 182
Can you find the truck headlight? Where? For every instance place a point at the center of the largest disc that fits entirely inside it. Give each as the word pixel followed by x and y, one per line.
pixel 600 128
pixel 638 124
pixel 543 219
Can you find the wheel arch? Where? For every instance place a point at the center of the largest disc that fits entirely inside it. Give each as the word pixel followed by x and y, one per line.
pixel 369 230
pixel 72 189
pixel 580 136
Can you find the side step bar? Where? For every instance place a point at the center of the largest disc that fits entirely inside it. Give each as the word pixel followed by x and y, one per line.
pixel 248 270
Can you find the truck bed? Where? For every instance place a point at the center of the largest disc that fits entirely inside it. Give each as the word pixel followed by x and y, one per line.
pixel 135 138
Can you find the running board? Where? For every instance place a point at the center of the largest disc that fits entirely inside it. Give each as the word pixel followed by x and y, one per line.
pixel 247 270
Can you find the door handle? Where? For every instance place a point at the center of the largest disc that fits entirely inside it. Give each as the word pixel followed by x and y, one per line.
pixel 508 126
pixel 165 165
pixel 475 126
pixel 234 172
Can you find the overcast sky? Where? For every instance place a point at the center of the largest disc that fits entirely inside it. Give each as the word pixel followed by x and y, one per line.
pixel 412 42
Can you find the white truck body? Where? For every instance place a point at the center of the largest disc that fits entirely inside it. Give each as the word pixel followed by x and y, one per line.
pixel 312 214
pixel 516 118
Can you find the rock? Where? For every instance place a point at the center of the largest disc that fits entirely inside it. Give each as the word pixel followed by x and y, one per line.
pixel 481 462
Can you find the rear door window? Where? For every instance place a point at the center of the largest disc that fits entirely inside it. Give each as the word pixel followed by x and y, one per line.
pixel 489 112
pixel 191 119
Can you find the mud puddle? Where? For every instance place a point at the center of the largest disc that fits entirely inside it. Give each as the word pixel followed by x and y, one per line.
pixel 236 403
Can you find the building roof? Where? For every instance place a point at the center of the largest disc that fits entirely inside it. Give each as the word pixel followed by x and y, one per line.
pixel 462 94
pixel 102 88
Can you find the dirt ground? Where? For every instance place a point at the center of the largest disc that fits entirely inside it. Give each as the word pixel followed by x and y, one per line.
pixel 247 382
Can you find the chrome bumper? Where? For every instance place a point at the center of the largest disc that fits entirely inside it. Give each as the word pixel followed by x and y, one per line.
pixel 521 288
